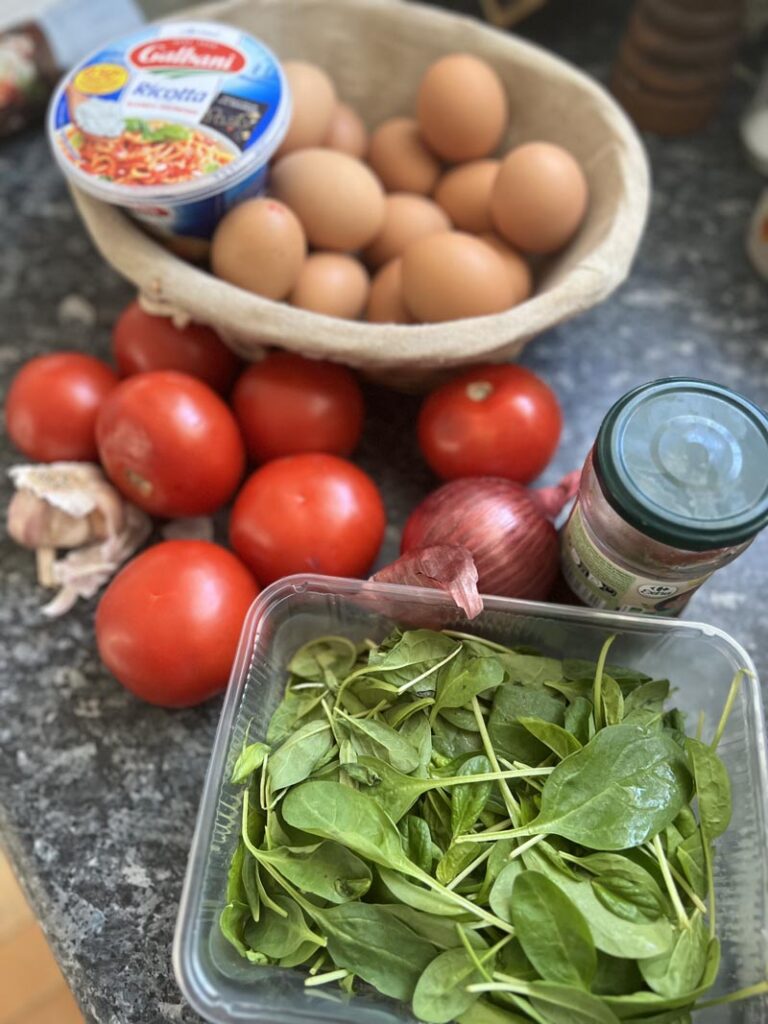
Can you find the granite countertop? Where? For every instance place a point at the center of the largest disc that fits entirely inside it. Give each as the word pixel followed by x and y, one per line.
pixel 98 793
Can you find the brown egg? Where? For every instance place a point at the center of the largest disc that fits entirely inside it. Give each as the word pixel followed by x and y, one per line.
pixel 461 108
pixel 314 103
pixel 539 197
pixel 385 301
pixel 519 271
pixel 259 246
pixel 465 194
pixel 347 132
pixel 454 275
pixel 338 200
pixel 407 218
pixel 332 283
pixel 400 158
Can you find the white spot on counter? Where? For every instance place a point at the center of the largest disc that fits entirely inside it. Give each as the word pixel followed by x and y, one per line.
pixel 74 309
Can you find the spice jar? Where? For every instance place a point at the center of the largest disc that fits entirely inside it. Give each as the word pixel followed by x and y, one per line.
pixel 675 487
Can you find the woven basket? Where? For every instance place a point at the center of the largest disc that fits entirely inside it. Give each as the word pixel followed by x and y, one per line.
pixel 376 51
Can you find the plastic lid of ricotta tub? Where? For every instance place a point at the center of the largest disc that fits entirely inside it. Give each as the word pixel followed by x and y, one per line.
pixel 174 113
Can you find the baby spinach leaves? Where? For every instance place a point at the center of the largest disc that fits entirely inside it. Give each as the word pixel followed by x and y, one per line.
pixel 552 931
pixel 495 836
pixel 625 786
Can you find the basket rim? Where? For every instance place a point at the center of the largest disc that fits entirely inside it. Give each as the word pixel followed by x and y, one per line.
pixel 187 287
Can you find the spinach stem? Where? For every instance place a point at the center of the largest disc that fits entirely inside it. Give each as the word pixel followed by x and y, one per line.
pixel 647 849
pixel 674 895
pixel 597 694
pixel 730 701
pixel 457 635
pixel 472 953
pixel 428 672
pixel 700 726
pixel 467 905
pixel 526 846
pixel 469 868
pixel 734 997
pixel 513 808
pixel 325 979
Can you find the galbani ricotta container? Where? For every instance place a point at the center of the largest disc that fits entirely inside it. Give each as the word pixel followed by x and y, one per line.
pixel 174 123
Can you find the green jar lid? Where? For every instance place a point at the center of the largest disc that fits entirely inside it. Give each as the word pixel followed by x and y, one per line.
pixel 686 462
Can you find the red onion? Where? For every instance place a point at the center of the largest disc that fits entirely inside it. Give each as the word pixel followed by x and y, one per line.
pixel 506 528
pixel 440 567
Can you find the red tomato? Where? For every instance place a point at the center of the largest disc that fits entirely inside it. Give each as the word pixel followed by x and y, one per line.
pixel 492 421
pixel 307 513
pixel 52 404
pixel 168 624
pixel 286 405
pixel 141 342
pixel 170 444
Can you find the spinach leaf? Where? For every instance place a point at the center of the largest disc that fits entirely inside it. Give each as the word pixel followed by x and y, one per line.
pixel 418 733
pixel 625 888
pixel 531 670
pixel 461 718
pixel 249 761
pixel 328 870
pixel 467 802
pixel 453 861
pixel 333 811
pixel 295 706
pixel 369 942
pixel 679 970
pixel 411 654
pixel 327 655
pixel 615 976
pixel 650 696
pixel 578 719
pixel 441 992
pixel 559 740
pixel 622 788
pixel 232 922
pixel 300 955
pixel 611 934
pixel 418 841
pixel 562 1004
pixel 500 896
pixel 552 931
pixel 451 741
pixel 512 960
pixel 690 857
pixel 613 701
pixel 512 702
pixel 488 1013
pixel 300 754
pixel 466 677
pixel 274 935
pixel 388 743
pixel 427 900
pixel 440 931
pixel 713 788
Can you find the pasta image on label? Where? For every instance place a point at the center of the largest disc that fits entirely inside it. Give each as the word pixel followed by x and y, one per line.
pixel 174 123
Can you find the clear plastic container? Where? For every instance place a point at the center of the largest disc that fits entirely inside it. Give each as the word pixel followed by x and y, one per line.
pixel 700 660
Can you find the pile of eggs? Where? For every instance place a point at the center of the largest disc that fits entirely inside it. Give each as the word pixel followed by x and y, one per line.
pixel 419 223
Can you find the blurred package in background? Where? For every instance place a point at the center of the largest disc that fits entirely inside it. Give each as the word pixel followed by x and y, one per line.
pixel 754 132
pixel 35 51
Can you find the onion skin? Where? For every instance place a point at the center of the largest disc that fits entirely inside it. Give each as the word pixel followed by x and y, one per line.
pixel 440 567
pixel 504 527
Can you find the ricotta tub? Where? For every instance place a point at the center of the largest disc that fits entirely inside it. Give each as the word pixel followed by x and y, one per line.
pixel 174 123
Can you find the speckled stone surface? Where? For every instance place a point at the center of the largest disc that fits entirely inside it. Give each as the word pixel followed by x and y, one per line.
pixel 98 793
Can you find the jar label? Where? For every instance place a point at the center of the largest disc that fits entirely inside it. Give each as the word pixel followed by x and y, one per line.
pixel 603 583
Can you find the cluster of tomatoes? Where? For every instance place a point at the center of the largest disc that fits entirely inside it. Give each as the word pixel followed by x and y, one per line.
pixel 175 436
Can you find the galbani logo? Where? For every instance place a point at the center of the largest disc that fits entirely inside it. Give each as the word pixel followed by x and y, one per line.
pixel 195 54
